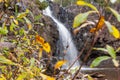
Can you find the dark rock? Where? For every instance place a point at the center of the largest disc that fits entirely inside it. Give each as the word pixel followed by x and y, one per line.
pixel 66 16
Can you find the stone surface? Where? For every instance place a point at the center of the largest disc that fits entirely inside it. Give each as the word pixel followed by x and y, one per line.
pixel 66 16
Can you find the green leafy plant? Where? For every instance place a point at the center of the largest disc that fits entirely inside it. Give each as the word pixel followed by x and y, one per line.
pixel 110 50
pixel 82 19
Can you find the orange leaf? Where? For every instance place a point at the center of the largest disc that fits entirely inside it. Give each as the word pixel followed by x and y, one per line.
pixel 92 30
pixel 99 25
pixel 40 40
pixel 59 64
pixel 46 47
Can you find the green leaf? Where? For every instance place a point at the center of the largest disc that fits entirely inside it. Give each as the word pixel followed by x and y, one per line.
pixel 3 31
pixel 111 51
pixel 80 18
pixel 90 78
pixel 116 14
pixel 12 26
pixel 22 76
pixel 98 60
pixel 23 14
pixel 38 17
pixel 4 60
pixel 21 31
pixel 83 3
pixel 102 49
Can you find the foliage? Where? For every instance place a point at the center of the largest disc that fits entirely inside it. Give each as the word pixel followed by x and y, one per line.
pixel 59 64
pixel 25 60
pixel 110 50
pixel 83 3
pixel 19 63
pixel 81 19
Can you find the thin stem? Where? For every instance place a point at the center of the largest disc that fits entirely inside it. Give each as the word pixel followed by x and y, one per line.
pixel 88 54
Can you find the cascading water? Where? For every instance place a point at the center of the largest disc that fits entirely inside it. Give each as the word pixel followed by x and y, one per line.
pixel 71 51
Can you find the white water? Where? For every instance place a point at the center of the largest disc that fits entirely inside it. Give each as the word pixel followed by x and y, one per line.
pixel 71 51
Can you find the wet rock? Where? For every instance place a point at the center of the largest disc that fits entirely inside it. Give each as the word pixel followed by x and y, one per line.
pixel 66 16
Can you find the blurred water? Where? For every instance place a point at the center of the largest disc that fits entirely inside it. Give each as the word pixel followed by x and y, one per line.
pixel 69 47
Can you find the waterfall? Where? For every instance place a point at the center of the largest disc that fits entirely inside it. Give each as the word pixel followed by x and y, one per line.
pixel 67 42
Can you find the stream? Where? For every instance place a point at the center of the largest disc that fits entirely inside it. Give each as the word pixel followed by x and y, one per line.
pixel 70 52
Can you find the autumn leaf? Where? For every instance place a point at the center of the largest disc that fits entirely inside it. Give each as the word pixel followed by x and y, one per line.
pixel 59 64
pixel 83 3
pixel 99 25
pixel 46 47
pixel 14 20
pixel 45 77
pixel 40 39
pixel 92 30
pixel 113 30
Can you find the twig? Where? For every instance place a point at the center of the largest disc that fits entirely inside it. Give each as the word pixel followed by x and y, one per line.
pixel 88 53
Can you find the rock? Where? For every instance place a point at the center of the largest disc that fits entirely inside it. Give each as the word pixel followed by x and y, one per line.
pixel 66 16
pixel 48 30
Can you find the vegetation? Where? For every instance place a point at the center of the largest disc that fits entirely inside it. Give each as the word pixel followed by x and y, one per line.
pixel 21 57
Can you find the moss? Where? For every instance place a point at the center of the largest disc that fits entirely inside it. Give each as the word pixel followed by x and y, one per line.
pixel 42 5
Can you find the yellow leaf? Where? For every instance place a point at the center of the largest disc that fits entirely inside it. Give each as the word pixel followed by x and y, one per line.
pixel 115 32
pixel 59 64
pixel 46 47
pixel 40 40
pixel 83 3
pixel 29 26
pixel 45 77
pixel 15 21
pixel 2 77
pixel 90 78
pixel 11 16
pixel 22 15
